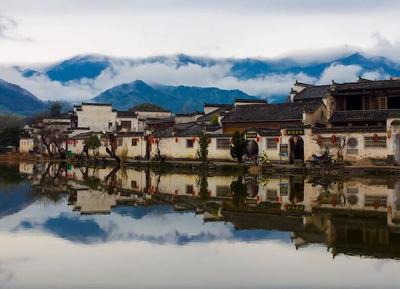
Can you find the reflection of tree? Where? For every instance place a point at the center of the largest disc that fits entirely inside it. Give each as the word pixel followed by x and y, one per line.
pixel 52 183
pixel 111 180
pixel 239 191
pixel 202 183
pixel 9 176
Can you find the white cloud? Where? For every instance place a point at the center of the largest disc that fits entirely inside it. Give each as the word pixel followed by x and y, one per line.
pixel 340 73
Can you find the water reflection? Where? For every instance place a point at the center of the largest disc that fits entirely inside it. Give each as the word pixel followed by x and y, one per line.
pixel 127 228
pixel 354 216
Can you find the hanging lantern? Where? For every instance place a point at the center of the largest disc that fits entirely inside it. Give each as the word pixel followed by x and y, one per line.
pixel 176 192
pixel 375 138
pixel 295 139
pixel 209 140
pixel 193 139
pixel 277 139
pixel 258 139
pixel 333 138
pixel 389 133
pixel 176 139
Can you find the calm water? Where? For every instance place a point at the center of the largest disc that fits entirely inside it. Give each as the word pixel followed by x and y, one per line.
pixel 68 227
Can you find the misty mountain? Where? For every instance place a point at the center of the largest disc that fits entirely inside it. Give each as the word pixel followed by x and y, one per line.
pixel 180 99
pixel 15 99
pixel 91 66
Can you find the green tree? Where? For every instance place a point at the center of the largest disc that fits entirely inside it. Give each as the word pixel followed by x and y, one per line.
pixel 202 151
pixel 93 143
pixel 238 147
pixel 10 136
pixel 214 119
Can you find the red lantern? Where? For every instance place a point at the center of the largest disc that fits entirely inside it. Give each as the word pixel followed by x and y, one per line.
pixel 176 139
pixel 277 139
pixel 333 138
pixel 319 139
pixel 375 138
pixel 193 139
pixel 258 139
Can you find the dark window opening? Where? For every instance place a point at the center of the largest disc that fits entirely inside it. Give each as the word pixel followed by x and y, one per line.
pixel 393 102
pixel 354 103
pixel 189 143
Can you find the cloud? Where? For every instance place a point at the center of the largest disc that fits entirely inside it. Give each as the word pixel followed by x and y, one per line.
pixel 7 29
pixel 340 73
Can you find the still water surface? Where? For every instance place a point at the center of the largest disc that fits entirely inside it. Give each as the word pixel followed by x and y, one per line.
pixel 69 227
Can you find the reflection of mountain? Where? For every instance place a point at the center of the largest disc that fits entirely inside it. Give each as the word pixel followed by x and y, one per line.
pixel 15 193
pixel 15 198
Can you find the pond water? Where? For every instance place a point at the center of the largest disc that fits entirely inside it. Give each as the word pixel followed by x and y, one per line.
pixel 76 227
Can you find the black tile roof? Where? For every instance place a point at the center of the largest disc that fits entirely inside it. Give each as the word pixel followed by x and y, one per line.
pixel 95 104
pixel 270 112
pixel 349 129
pixel 220 111
pixel 312 92
pixel 265 131
pixel 126 114
pixel 364 115
pixel 251 100
pixel 366 85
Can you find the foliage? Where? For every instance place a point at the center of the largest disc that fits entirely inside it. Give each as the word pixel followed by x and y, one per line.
pixel 146 106
pixel 202 151
pixel 55 109
pixel 10 136
pixel 93 142
pixel 238 147
pixel 202 183
pixel 10 120
pixel 214 119
pixel 124 154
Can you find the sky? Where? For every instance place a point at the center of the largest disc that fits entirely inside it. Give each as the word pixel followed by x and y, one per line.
pixel 49 30
pixel 39 33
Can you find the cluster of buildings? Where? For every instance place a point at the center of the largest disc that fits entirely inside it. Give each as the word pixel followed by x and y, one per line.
pixel 351 121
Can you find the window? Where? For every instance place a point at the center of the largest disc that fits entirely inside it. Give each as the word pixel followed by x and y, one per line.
pixel 393 102
pixel 272 195
pixel 327 142
pixel 223 191
pixel 375 141
pixel 127 124
pixel 189 189
pixel 223 143
pixel 134 185
pixel 375 201
pixel 134 142
pixel 189 143
pixel 271 143
pixel 380 102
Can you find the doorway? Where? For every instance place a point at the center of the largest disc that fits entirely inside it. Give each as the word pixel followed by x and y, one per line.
pixel 296 149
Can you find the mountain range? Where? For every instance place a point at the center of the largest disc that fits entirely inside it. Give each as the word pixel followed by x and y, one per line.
pixel 15 99
pixel 181 99
pixel 115 80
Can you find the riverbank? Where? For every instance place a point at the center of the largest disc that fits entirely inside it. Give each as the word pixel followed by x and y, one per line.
pixel 364 168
